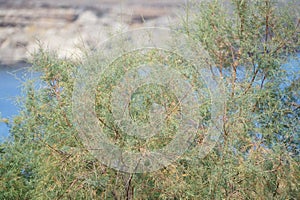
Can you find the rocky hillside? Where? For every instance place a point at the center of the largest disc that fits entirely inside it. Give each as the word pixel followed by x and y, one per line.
pixel 66 25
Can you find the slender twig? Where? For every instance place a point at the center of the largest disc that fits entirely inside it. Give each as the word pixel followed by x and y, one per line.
pixel 252 81
pixel 128 184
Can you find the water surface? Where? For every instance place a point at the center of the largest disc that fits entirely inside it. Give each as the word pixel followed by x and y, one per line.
pixel 10 88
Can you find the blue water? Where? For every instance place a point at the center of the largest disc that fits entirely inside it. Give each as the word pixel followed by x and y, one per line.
pixel 11 79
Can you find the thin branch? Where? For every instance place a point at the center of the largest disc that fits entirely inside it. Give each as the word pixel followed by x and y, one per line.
pixel 128 185
pixel 252 81
pixel 263 81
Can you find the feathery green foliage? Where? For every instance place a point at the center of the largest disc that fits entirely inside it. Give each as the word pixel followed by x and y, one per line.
pixel 258 153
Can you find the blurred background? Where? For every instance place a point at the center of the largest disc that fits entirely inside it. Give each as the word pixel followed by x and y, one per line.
pixel 64 26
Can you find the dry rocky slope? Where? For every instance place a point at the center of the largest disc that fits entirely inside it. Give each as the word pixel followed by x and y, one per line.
pixel 64 25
